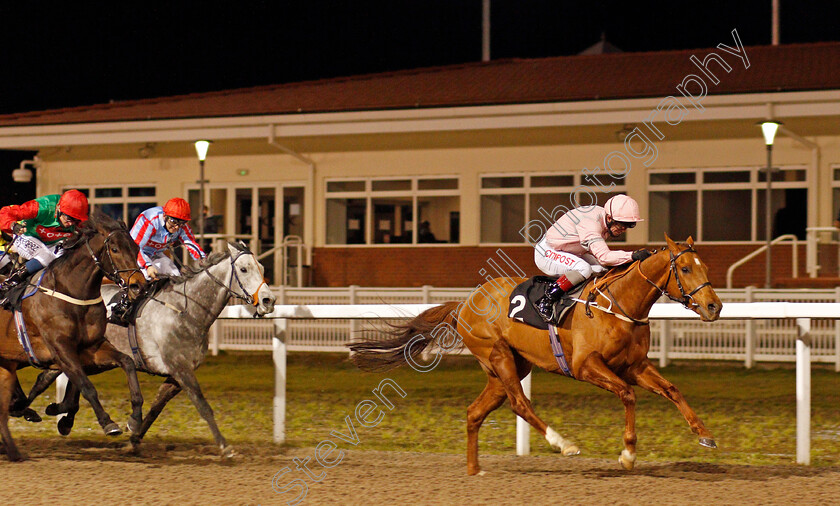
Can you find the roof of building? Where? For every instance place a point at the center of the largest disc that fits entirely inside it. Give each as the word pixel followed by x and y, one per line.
pixel 794 67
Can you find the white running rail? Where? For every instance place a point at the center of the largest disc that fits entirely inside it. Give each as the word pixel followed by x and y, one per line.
pixel 802 313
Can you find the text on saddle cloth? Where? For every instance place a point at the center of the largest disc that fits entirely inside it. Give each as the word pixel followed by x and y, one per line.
pixel 523 299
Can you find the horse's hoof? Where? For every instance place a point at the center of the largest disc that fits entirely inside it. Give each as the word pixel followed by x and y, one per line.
pixel 30 415
pixel 53 410
pixel 708 442
pixel 571 450
pixel 17 457
pixel 133 424
pixel 627 460
pixel 112 429
pixel 65 426
pixel 134 440
pixel 228 452
pixel 475 472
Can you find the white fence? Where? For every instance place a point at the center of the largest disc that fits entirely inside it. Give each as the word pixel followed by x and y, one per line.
pixel 801 313
pixel 748 341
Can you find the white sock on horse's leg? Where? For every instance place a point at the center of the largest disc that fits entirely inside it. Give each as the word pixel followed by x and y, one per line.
pixel 556 440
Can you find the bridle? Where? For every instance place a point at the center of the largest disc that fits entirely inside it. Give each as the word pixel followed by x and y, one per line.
pixel 114 273
pixel 687 299
pixel 248 298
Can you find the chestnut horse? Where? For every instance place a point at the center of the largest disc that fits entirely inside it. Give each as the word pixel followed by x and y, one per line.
pixel 605 340
pixel 65 316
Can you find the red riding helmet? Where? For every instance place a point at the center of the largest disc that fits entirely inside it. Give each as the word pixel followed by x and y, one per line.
pixel 177 208
pixel 74 204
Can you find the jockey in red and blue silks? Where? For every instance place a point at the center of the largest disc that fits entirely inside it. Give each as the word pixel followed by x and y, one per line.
pixel 159 228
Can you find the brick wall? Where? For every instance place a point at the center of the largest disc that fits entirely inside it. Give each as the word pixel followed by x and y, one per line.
pixel 462 266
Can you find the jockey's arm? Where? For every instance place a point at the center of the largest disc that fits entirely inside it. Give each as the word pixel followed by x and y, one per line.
pixel 605 256
pixel 190 243
pixel 11 214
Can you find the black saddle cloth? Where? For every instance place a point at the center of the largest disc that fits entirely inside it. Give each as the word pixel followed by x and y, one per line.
pixel 524 297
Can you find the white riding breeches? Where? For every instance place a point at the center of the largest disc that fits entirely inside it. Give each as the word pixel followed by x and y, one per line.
pixel 557 263
pixel 30 247
pixel 164 266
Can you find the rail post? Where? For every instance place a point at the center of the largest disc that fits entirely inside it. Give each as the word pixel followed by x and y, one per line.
pixel 279 358
pixel 803 391
pixel 523 430
pixel 749 333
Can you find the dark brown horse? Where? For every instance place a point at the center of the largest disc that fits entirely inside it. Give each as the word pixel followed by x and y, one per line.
pixel 65 316
pixel 606 342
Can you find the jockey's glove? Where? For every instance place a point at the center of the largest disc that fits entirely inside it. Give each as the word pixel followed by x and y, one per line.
pixel 640 254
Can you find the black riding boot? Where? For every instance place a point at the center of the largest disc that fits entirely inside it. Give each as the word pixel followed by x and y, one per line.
pixel 14 279
pixel 121 310
pixel 545 305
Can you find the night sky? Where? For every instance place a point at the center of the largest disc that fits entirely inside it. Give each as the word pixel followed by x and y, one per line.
pixel 60 55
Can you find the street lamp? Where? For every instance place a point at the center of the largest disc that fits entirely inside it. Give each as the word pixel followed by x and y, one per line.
pixel 201 148
pixel 769 128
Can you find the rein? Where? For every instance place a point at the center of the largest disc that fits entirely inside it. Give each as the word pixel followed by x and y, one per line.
pixel 687 298
pixel 248 298
pixel 112 275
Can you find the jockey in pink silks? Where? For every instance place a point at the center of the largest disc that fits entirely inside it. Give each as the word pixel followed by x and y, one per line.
pixel 575 247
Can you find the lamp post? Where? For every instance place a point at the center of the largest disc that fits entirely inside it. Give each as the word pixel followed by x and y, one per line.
pixel 769 128
pixel 201 148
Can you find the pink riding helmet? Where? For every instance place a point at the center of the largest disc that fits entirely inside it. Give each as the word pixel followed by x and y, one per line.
pixel 623 208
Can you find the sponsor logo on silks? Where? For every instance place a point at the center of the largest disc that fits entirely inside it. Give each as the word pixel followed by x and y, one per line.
pixel 155 245
pixel 557 257
pixel 52 233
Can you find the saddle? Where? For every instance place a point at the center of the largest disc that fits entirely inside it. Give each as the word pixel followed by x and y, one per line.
pixel 129 317
pixel 524 297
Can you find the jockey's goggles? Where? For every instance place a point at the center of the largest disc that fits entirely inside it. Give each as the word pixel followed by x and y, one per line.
pixel 626 224
pixel 175 222
pixel 72 220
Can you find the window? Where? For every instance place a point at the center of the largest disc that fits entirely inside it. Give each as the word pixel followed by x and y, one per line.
pixel 417 210
pixel 725 204
pixel 519 208
pixel 124 202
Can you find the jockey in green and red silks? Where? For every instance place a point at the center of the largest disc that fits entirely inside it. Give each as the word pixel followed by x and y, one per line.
pixel 39 227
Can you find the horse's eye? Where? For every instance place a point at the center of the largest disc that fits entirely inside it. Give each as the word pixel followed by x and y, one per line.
pixel 685 270
pixel 115 250
pixel 243 269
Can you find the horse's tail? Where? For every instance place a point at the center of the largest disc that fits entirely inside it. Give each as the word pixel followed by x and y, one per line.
pixel 407 339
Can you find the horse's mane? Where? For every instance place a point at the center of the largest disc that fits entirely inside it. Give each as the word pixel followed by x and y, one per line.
pixel 188 272
pixel 97 222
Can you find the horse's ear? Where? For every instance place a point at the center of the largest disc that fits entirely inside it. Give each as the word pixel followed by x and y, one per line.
pixel 671 244
pixel 690 242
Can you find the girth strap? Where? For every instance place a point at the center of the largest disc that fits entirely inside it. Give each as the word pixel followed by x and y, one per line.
pixel 135 347
pixel 557 348
pixel 25 343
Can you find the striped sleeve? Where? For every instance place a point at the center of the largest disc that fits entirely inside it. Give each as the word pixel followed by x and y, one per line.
pixel 190 243
pixel 141 232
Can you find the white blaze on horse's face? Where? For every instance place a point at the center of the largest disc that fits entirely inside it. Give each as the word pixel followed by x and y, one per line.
pixel 251 275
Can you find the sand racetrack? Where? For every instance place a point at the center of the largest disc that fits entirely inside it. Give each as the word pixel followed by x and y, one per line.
pixel 78 471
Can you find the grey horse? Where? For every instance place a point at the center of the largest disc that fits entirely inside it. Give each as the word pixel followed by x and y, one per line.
pixel 172 334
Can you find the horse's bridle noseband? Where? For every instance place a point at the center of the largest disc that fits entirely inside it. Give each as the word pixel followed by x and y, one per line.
pixel 687 299
pixel 247 297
